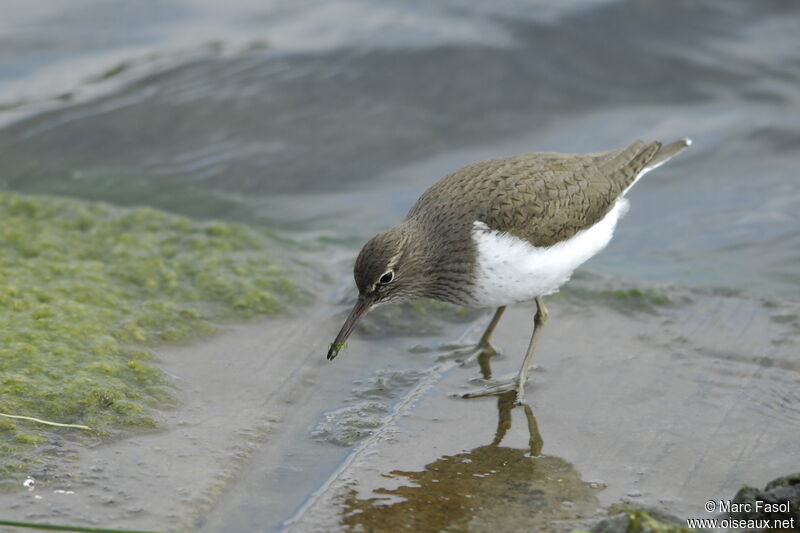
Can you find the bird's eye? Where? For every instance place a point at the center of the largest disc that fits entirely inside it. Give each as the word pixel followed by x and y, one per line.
pixel 386 278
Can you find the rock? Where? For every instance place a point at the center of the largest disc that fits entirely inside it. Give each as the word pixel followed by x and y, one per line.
pixel 641 521
pixel 778 491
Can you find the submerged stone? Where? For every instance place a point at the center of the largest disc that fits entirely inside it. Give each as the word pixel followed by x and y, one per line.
pixel 350 424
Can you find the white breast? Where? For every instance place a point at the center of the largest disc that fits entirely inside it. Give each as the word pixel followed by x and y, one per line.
pixel 511 270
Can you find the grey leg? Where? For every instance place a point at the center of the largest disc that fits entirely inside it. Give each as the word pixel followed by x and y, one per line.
pixel 490 328
pixel 482 351
pixel 539 320
pixel 518 383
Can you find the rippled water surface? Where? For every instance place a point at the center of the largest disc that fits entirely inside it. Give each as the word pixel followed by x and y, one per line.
pixel 326 119
pixel 299 114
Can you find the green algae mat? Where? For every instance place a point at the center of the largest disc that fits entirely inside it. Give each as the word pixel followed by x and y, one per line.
pixel 86 288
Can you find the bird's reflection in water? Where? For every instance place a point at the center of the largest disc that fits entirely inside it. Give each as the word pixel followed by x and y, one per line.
pixel 505 404
pixel 490 488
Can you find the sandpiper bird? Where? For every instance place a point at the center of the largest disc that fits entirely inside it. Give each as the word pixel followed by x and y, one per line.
pixel 500 232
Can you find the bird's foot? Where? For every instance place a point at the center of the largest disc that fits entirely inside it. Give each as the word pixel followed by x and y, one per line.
pixel 499 387
pixel 468 354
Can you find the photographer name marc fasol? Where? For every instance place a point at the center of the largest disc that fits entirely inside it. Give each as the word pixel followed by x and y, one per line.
pixel 759 506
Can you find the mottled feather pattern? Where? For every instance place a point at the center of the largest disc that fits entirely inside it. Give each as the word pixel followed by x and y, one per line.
pixel 543 198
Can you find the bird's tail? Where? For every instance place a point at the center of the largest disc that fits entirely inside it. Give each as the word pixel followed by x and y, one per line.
pixel 664 154
pixel 667 152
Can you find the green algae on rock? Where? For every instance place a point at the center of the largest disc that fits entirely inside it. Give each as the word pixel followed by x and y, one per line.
pixel 85 288
pixel 621 296
pixel 627 519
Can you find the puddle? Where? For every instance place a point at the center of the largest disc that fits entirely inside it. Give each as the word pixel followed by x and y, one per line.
pixel 491 487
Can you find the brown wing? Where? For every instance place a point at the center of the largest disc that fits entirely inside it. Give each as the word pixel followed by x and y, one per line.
pixel 542 197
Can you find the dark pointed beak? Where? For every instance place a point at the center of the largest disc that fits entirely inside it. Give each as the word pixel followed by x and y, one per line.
pixel 360 309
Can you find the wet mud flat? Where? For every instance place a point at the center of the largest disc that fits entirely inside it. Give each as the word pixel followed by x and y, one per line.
pixel 164 479
pixel 664 409
pixel 662 398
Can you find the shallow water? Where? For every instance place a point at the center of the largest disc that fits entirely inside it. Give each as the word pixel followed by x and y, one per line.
pixel 325 120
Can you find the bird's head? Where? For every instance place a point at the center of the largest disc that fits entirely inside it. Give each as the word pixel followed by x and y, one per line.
pixel 391 267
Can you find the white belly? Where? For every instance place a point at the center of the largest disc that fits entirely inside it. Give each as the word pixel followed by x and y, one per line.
pixel 511 270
